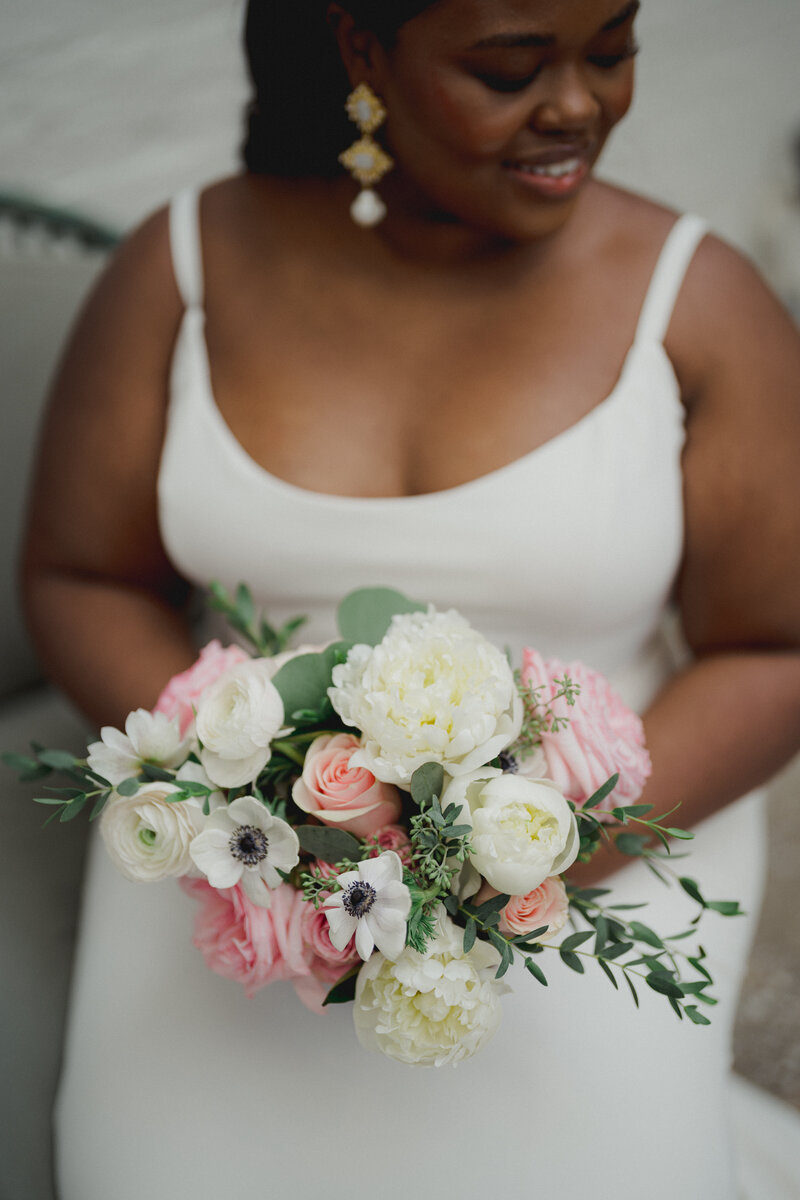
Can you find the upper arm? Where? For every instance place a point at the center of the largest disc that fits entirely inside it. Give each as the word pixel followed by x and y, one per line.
pixel 740 579
pixel 93 507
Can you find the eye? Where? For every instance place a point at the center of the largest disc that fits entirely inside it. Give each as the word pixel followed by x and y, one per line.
pixel 508 83
pixel 607 62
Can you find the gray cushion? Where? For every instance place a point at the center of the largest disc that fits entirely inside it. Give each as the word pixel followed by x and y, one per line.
pixel 40 874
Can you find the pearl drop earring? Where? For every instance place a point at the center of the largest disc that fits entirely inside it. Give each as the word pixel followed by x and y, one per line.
pixel 365 160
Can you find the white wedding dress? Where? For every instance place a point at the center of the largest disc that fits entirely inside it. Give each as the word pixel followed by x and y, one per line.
pixel 177 1085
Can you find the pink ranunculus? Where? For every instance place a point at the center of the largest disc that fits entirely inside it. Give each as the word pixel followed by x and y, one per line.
pixel 336 794
pixel 181 695
pixel 545 905
pixel 391 837
pixel 247 943
pixel 603 735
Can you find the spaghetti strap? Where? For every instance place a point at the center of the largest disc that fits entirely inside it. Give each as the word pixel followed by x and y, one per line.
pixel 184 237
pixel 673 261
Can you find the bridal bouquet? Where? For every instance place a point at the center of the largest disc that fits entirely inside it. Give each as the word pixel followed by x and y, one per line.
pixel 387 819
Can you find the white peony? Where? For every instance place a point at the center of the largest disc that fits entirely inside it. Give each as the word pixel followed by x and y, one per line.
pixel 434 690
pixel 523 830
pixel 148 737
pixel 147 835
pixel 433 1008
pixel 244 843
pixel 373 904
pixel 237 718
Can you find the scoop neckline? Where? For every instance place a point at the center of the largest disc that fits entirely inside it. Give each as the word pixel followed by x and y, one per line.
pixel 195 315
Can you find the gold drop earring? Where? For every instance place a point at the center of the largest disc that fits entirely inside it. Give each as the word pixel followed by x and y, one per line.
pixel 365 160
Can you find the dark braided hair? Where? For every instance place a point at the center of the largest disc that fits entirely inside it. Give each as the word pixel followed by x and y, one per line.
pixel 295 123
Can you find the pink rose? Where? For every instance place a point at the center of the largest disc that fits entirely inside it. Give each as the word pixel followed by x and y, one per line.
pixel 181 695
pixel 391 837
pixel 602 737
pixel 336 794
pixel 545 905
pixel 247 943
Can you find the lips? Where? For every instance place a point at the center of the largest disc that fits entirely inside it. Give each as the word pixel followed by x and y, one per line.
pixel 555 172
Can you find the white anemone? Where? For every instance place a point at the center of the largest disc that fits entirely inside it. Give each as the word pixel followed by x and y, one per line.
pixel 244 843
pixel 373 904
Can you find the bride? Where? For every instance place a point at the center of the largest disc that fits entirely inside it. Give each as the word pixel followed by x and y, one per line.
pixel 494 383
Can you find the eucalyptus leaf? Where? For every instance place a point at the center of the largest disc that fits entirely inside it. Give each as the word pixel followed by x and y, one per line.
pixel 695 1016
pixel 365 615
pixel 576 939
pixel 599 796
pixel 664 985
pixel 470 933
pixel 72 809
pixel 303 683
pixel 536 971
pixel 427 782
pixel 633 844
pixel 59 760
pixel 156 774
pixel 608 972
pixel 644 933
pixel 128 787
pixel 727 908
pixel 345 990
pixel 572 961
pixel 691 889
pixel 331 845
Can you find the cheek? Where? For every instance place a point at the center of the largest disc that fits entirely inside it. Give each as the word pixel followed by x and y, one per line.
pixel 456 115
pixel 619 97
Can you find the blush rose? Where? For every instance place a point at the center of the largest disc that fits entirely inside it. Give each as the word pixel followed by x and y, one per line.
pixel 545 905
pixel 603 736
pixel 337 794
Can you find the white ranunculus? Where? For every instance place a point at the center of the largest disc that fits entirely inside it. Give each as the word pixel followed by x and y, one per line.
pixel 433 1008
pixel 523 830
pixel 237 719
pixel 434 690
pixel 148 737
pixel 243 843
pixel 147 835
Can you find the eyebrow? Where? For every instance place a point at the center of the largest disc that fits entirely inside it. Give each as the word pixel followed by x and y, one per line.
pixel 516 40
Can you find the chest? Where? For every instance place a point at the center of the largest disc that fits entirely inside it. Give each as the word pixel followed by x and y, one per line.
pixel 353 390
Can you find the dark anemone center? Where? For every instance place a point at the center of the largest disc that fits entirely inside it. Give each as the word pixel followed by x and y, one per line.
pixel 359 898
pixel 249 845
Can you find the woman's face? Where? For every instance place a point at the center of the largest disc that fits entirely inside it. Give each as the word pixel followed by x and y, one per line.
pixel 498 109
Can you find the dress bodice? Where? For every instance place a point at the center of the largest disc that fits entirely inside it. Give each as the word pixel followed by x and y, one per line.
pixel 572 547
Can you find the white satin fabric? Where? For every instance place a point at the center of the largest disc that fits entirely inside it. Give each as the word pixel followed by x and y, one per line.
pixel 177 1085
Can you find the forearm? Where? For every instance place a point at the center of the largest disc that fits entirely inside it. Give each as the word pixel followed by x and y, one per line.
pixel 109 646
pixel 717 729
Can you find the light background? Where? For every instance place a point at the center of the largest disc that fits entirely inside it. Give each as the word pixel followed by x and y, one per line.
pixel 109 106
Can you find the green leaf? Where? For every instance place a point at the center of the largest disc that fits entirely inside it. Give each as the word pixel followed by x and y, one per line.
pixel 665 985
pixel 601 934
pixel 576 939
pixel 128 787
pixel 506 960
pixel 644 933
pixel 366 614
pixel 608 972
pixel 618 949
pixel 523 939
pixel 59 760
pixel 303 683
pixel 156 774
pixel 427 782
pixel 631 810
pixel 72 809
pixel 244 604
pixel 451 904
pixel 493 905
pixel 331 845
pixel 470 933
pixel 536 971
pixel 633 991
pixel 691 888
pixel 47 800
pixel 633 844
pixel 695 1016
pixel 728 908
pixel 683 835
pixel 572 961
pixel 345 990
pixel 18 762
pixel 99 805
pixel 599 796
pixel 188 788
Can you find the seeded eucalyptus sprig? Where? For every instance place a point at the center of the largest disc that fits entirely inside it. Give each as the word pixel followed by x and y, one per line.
pixel 538 716
pixel 84 786
pixel 241 614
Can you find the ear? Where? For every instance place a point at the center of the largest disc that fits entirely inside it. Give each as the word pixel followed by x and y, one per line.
pixel 360 49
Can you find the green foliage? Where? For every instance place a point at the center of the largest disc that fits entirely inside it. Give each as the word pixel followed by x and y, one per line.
pixel 241 614
pixel 344 990
pixel 365 615
pixel 439 844
pixel 537 714
pixel 328 844
pixel 303 684
pixel 426 783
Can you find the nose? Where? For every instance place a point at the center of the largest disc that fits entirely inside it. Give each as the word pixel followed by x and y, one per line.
pixel 566 102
